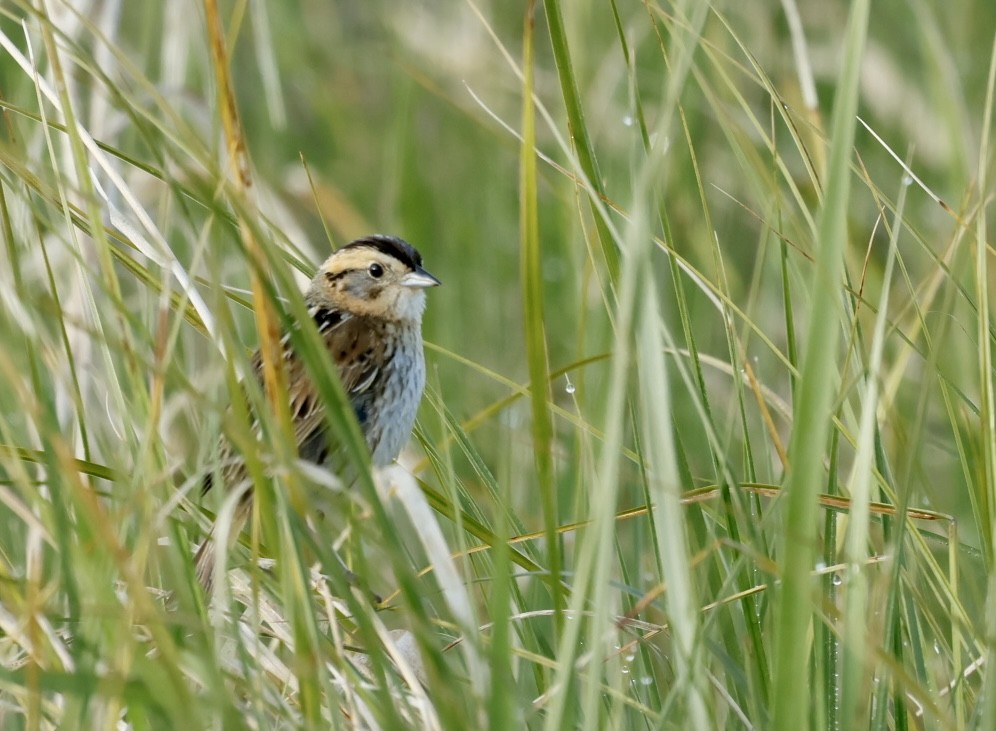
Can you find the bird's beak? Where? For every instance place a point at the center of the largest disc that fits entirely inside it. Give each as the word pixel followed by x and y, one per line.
pixel 419 279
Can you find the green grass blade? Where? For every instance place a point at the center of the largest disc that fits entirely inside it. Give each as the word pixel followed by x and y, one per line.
pixel 812 409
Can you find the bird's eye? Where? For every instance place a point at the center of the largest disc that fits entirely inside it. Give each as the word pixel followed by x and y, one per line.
pixel 376 270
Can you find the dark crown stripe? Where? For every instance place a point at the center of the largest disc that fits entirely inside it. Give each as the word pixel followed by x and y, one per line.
pixel 391 246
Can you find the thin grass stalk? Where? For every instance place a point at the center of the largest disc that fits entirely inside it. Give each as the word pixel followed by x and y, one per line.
pixel 894 638
pixel 596 549
pixel 855 674
pixel 812 410
pixel 104 318
pixel 580 137
pixel 272 371
pixel 681 596
pixel 962 636
pixel 649 349
pixel 266 322
pixel 734 508
pixel 830 646
pixel 534 325
pixel 987 416
pixel 500 703
pixel 958 691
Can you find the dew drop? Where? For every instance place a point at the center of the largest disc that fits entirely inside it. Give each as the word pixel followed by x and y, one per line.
pixel 837 580
pixel 907 180
pixel 569 388
pixel 628 121
pixel 625 670
pixel 646 680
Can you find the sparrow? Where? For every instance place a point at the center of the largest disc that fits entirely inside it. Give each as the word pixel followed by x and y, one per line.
pixel 367 301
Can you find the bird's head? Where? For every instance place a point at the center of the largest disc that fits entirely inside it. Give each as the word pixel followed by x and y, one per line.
pixel 377 276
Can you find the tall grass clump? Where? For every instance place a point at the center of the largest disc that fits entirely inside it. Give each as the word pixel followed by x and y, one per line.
pixel 709 439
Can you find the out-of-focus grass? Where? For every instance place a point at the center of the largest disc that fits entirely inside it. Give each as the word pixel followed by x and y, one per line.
pixel 632 357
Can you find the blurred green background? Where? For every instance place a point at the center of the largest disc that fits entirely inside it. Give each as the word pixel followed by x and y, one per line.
pixel 404 118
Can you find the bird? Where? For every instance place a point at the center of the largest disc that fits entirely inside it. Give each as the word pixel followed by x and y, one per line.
pixel 367 301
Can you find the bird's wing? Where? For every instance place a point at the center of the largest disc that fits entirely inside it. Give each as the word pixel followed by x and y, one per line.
pixel 356 348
